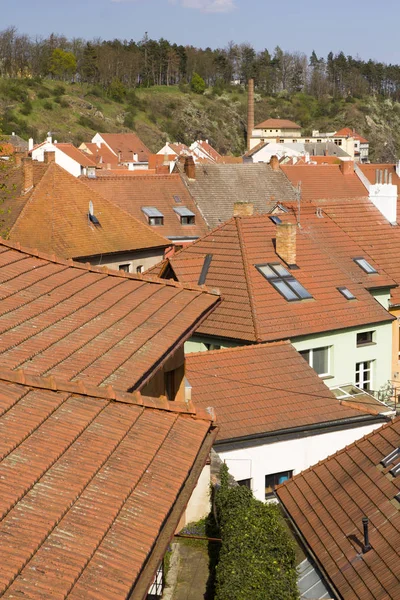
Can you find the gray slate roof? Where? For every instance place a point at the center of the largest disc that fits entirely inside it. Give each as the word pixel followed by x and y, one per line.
pixel 217 188
pixel 16 141
pixel 319 148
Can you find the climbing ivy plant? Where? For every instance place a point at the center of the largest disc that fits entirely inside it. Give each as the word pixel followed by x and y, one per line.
pixel 257 557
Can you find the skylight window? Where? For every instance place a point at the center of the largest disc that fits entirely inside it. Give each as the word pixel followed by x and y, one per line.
pixel 346 293
pixel 276 219
pixel 283 282
pixel 390 457
pixel 365 266
pixel 177 199
pixel 395 470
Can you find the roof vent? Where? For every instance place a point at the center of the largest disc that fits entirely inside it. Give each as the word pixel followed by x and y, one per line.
pixel 390 457
pixel 366 546
pixel 319 213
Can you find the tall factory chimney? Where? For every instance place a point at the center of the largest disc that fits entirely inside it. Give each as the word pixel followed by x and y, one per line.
pixel 250 112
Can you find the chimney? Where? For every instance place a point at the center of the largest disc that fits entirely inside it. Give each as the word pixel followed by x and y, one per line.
pixel 274 163
pixel 250 112
pixel 49 156
pixel 286 242
pixel 347 167
pixel 18 158
pixel 366 546
pixel 30 144
pixel 166 160
pixel 398 168
pixel 135 157
pixel 27 170
pixel 376 176
pixel 190 167
pixel 49 139
pixel 108 166
pixel 91 172
pixel 243 209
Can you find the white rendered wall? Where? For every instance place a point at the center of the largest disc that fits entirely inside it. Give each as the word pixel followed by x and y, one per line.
pixel 199 504
pixel 61 159
pixel 292 455
pixel 144 258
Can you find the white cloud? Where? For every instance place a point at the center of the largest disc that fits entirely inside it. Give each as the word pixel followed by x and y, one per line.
pixel 206 6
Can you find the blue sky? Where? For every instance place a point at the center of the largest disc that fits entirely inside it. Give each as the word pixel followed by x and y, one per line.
pixel 356 27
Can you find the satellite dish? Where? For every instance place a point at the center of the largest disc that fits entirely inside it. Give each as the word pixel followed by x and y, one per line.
pixel 91 210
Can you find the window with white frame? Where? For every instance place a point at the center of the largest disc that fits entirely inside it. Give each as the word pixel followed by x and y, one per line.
pixel 364 375
pixel 318 359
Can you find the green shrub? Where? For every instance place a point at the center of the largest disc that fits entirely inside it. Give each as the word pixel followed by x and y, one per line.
pixel 13 91
pixel 133 100
pixel 27 107
pixel 96 91
pixel 257 557
pixel 42 94
pixel 59 90
pixel 48 105
pixel 129 120
pixel 197 84
pixel 116 90
pixel 87 122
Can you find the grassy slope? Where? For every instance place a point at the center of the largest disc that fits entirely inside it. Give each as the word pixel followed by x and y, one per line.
pixel 167 113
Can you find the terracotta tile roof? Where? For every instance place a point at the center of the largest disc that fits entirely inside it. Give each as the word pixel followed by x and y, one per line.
pixel 55 219
pixel 6 149
pixel 18 143
pixel 365 224
pixel 327 503
pixel 74 321
pixel 179 148
pixel 127 144
pixel 102 156
pixel 277 124
pixel 370 169
pixel 93 486
pixel 212 153
pixel 80 157
pixel 347 132
pixel 11 198
pixel 217 188
pixel 231 160
pixel 320 182
pixel 252 310
pixel 134 193
pixel 254 391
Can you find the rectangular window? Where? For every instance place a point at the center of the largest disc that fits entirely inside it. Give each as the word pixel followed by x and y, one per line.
pixel 364 375
pixel 365 338
pixel 186 216
pixel 124 268
pixel 318 359
pixel 139 269
pixel 156 221
pixel 245 483
pixel 364 264
pixel 271 481
pixel 187 220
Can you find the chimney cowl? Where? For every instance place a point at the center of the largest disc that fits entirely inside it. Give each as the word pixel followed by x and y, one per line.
pixel 286 242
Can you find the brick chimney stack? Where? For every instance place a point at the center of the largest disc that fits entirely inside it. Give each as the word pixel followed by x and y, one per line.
pixel 286 242
pixel 347 167
pixel 274 163
pixel 49 156
pixel 243 209
pixel 27 169
pixel 250 111
pixel 190 167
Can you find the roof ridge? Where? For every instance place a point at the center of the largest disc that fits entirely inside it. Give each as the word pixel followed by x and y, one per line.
pixel 247 278
pixel 240 348
pixel 20 376
pixel 68 262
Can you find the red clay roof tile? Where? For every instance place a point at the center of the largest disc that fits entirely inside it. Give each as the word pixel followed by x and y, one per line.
pixel 320 182
pixel 252 310
pixel 79 322
pixel 261 377
pixel 55 219
pixel 327 503
pixel 133 193
pixel 125 145
pixel 277 124
pixel 88 486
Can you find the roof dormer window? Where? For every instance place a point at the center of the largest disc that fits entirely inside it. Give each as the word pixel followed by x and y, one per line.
pixel 186 216
pixel 283 282
pixel 154 216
